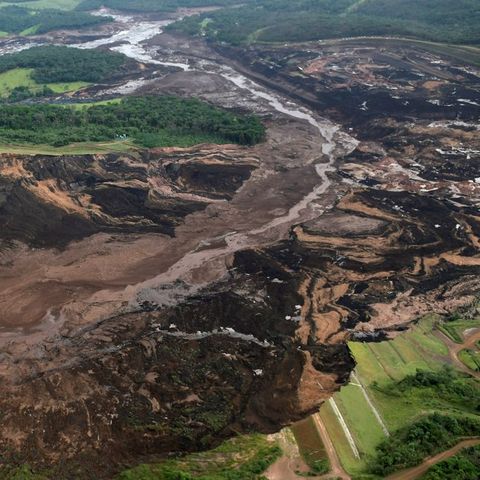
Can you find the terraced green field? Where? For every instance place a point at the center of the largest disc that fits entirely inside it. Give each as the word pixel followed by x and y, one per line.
pixel 381 368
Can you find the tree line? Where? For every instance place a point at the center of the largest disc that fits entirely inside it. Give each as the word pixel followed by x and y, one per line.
pixel 52 64
pixel 17 19
pixel 305 20
pixel 148 121
pixel 151 5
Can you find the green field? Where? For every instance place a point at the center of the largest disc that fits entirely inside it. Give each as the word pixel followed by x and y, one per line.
pixel 339 440
pixel 454 329
pixel 470 358
pixel 41 4
pixel 22 77
pixel 310 445
pixel 359 416
pixel 279 21
pixel 386 370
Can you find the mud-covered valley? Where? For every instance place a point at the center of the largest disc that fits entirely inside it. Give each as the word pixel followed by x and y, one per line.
pixel 159 301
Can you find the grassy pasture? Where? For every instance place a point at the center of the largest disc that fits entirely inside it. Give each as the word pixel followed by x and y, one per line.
pixel 380 368
pixel 22 77
pixel 41 4
pixel 454 329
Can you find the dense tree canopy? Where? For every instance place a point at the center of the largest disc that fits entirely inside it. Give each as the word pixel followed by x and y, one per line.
pixel 303 20
pixel 64 64
pixel 411 444
pixel 463 466
pixel 151 5
pixel 16 19
pixel 149 121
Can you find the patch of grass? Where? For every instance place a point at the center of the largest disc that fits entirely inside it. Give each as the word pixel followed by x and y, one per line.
pixel 241 458
pixel 30 30
pixel 67 87
pixel 364 427
pixel 406 380
pixel 22 77
pixel 470 358
pixel 342 447
pixel 84 105
pixel 58 4
pixel 310 445
pixel 454 329
pixel 18 77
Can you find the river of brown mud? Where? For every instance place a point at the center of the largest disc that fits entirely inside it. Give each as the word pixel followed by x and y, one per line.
pixel 159 301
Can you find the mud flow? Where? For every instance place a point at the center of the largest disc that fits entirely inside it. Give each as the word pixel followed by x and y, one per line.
pixel 160 301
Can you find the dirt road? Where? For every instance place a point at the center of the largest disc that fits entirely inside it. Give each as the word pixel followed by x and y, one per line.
pixel 416 472
pixel 455 348
pixel 336 469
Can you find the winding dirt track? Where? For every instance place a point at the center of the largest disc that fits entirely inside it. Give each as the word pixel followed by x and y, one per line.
pixel 455 348
pixel 416 472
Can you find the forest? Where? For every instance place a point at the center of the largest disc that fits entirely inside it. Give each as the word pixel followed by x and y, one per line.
pixel 429 435
pixel 53 64
pixel 463 466
pixel 20 20
pixel 305 20
pixel 151 5
pixel 147 121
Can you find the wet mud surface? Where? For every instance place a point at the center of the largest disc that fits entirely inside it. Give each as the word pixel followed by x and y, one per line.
pixel 160 301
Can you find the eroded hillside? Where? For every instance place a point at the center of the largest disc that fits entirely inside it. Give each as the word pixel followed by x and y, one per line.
pixel 161 300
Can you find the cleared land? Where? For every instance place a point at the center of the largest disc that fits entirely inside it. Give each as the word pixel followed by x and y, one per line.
pixel 22 77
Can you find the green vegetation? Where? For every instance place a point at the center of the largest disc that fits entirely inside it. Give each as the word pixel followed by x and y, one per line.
pixel 470 358
pixel 26 21
pixel 311 446
pixel 363 424
pixel 148 121
pixel 20 473
pixel 407 380
pixel 409 445
pixel 305 20
pixel 463 466
pixel 151 5
pixel 46 70
pixel 17 85
pixel 53 64
pixel 241 458
pixel 455 327
pixel 49 4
